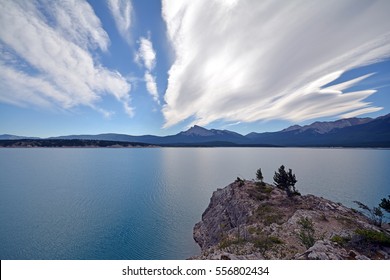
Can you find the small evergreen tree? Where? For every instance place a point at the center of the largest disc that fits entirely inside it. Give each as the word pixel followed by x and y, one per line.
pixel 259 175
pixel 306 234
pixel 292 180
pixel 280 177
pixel 376 214
pixel 286 180
pixel 385 204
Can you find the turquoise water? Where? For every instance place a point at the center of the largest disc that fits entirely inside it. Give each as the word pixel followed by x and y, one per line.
pixel 143 203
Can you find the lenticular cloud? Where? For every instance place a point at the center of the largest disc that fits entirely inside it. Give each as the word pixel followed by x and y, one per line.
pixel 259 60
pixel 47 57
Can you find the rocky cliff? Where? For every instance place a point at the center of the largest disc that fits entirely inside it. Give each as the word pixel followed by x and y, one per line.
pixel 248 220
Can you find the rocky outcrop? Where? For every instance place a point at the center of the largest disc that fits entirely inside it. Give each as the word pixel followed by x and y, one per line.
pixel 248 220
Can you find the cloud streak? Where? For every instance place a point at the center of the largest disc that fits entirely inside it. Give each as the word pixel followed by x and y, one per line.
pixel 46 59
pixel 146 56
pixel 122 11
pixel 151 86
pixel 246 61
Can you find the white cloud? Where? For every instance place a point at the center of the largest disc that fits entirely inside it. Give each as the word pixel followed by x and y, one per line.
pixel 151 86
pixel 146 53
pixel 51 65
pixel 122 11
pixel 70 15
pixel 360 112
pixel 250 60
pixel 146 56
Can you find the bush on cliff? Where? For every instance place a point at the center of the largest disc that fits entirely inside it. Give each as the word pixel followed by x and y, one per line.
pixel 306 234
pixel 375 214
pixel 239 181
pixel 385 204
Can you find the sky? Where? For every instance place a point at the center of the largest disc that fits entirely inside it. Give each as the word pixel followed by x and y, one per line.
pixel 159 67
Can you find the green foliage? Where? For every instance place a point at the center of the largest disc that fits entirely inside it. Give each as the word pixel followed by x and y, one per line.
pixel 265 243
pixel 259 175
pixel 275 240
pixel 266 189
pixel 268 215
pixel 373 236
pixel 258 195
pixel 261 192
pixel 286 181
pixel 226 242
pixel 306 234
pixel 340 239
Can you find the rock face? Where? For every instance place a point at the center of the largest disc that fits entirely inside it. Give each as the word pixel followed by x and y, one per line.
pixel 248 220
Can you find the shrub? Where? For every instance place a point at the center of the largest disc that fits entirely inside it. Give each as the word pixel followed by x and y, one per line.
pixel 261 192
pixel 265 243
pixel 306 234
pixel 226 242
pixel 239 181
pixel 340 239
pixel 385 204
pixel 268 215
pixel 374 236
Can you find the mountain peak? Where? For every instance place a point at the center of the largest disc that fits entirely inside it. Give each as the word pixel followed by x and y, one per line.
pixel 197 130
pixel 291 128
pixel 197 127
pixel 326 127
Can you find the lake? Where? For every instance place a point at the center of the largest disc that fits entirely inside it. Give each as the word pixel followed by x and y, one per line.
pixel 66 203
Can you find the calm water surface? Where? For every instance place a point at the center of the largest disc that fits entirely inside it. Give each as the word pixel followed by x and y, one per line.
pixel 143 203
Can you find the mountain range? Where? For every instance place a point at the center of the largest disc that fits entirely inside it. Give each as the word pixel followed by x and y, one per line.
pixel 352 132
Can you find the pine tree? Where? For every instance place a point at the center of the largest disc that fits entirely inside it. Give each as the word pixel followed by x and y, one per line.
pixel 385 204
pixel 285 180
pixel 259 175
pixel 292 180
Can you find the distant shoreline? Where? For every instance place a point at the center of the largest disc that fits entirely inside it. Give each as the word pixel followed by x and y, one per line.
pixel 81 143
pixel 74 143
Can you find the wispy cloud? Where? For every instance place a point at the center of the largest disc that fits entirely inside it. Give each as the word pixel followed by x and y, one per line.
pixel 70 15
pixel 248 61
pixel 122 11
pixel 146 56
pixel 151 86
pixel 46 59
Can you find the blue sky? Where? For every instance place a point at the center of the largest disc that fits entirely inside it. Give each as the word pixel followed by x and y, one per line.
pixel 158 67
